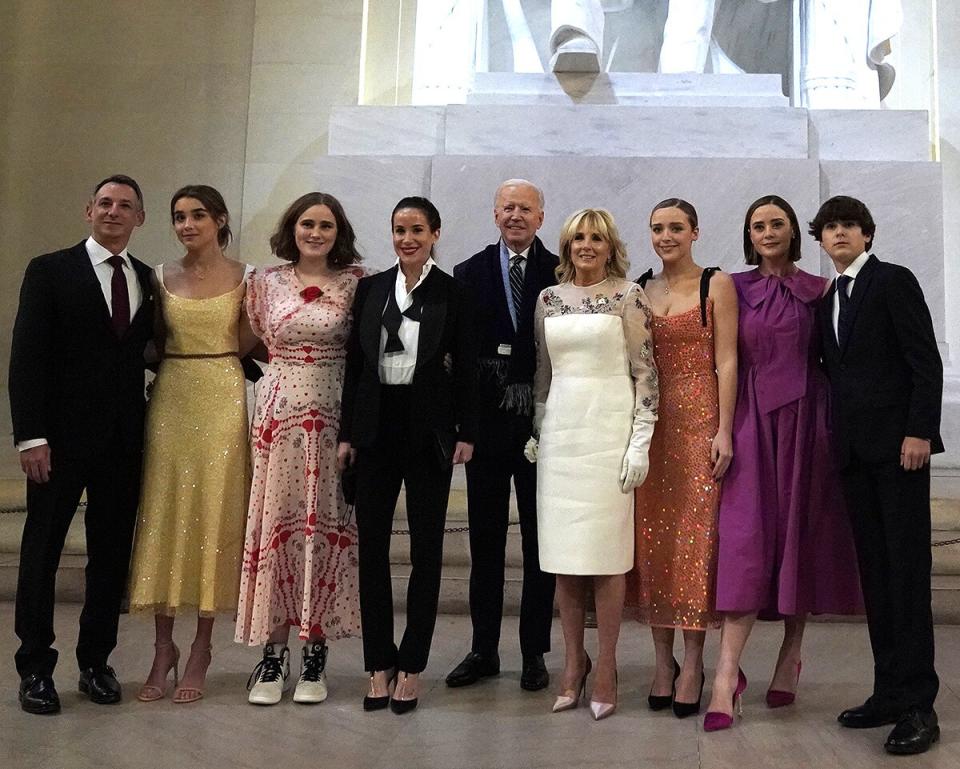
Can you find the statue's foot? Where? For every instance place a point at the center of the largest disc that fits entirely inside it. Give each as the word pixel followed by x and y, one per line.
pixel 577 54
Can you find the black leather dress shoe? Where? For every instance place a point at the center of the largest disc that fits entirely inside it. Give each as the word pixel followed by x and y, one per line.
pixel 867 716
pixel 100 684
pixel 914 733
pixel 39 695
pixel 474 667
pixel 534 675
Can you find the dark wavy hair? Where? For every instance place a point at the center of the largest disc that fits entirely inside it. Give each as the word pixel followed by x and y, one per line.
pixel 843 208
pixel 683 205
pixel 283 242
pixel 214 204
pixel 749 254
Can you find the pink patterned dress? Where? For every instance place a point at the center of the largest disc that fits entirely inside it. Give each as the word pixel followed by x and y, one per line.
pixel 300 553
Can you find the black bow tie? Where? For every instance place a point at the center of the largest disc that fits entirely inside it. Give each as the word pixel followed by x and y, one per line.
pixel 392 318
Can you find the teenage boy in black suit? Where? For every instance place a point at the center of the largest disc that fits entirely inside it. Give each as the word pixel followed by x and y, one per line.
pixel 881 354
pixel 506 277
pixel 77 399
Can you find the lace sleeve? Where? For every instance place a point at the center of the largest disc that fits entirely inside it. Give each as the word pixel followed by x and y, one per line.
pixel 544 372
pixel 637 317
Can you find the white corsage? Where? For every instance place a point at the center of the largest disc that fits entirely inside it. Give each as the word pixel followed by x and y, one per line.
pixel 531 450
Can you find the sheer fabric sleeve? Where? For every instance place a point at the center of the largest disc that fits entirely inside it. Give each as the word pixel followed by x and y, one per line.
pixel 637 325
pixel 256 286
pixel 544 372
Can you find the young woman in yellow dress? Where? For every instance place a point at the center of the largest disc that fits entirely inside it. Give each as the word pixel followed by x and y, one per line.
pixel 196 474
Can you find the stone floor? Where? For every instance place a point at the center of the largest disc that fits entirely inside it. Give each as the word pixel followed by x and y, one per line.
pixel 493 724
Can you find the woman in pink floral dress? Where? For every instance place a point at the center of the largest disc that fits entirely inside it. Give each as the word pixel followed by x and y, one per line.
pixel 300 553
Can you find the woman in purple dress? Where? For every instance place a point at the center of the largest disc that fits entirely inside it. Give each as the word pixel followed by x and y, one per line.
pixel 785 543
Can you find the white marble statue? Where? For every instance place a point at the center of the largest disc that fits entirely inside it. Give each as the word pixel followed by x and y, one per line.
pixel 576 39
pixel 843 45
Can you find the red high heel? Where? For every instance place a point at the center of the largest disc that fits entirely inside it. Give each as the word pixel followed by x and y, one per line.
pixel 715 722
pixel 777 698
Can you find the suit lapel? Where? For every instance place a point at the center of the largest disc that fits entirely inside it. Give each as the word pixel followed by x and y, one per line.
pixel 432 319
pixel 826 319
pixel 89 289
pixel 372 319
pixel 860 287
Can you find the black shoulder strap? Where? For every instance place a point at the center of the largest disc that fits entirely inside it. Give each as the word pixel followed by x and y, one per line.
pixel 704 292
pixel 642 280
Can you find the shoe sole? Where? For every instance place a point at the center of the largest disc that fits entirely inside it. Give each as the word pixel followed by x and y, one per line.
pixel 534 687
pixel 85 689
pixel 44 710
pixel 309 700
pixel 914 750
pixel 460 684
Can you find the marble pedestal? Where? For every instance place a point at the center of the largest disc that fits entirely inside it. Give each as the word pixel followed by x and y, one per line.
pixel 626 158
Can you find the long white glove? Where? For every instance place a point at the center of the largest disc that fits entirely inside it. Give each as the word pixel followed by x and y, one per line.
pixel 539 409
pixel 636 461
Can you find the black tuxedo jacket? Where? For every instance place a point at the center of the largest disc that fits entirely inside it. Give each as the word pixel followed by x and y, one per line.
pixel 887 381
pixel 444 399
pixel 499 428
pixel 72 381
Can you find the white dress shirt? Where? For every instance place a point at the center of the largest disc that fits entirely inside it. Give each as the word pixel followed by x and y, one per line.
pixel 396 368
pixel 853 269
pixel 104 272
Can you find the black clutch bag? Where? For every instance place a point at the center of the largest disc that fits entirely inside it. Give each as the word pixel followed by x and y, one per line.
pixel 444 442
pixel 348 483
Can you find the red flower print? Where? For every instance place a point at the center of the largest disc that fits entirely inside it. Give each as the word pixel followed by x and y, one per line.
pixel 310 293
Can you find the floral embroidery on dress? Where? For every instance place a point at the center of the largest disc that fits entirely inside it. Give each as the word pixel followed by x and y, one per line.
pixel 601 303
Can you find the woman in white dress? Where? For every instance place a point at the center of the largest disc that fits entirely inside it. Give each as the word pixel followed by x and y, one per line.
pixel 596 405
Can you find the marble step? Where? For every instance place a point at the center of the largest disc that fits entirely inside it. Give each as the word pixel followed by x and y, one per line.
pixel 627 88
pixel 605 130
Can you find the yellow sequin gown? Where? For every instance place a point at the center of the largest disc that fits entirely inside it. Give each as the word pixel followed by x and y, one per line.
pixel 196 474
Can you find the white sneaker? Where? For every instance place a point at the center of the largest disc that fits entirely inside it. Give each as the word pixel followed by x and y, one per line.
pixel 312 686
pixel 271 677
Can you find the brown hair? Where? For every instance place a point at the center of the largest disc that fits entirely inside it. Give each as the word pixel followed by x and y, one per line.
pixel 283 242
pixel 749 253
pixel 214 204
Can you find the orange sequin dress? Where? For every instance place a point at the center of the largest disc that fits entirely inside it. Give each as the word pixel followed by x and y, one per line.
pixel 672 583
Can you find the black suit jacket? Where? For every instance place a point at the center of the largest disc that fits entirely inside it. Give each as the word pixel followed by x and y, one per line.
pixel 887 381
pixel 445 379
pixel 72 381
pixel 500 429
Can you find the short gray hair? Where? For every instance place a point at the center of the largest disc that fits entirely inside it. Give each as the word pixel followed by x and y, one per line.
pixel 517 183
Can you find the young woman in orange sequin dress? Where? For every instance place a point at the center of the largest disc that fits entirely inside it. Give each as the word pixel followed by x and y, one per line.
pixel 695 347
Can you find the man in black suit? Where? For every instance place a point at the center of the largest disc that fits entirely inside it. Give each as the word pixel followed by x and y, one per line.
pixel 881 355
pixel 77 399
pixel 506 277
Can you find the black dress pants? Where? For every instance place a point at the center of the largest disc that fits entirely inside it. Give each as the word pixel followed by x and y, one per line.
pixel 488 510
pixel 890 509
pixel 113 488
pixel 401 453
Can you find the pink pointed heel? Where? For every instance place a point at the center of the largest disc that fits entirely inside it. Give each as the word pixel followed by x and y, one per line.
pixel 569 699
pixel 777 698
pixel 715 722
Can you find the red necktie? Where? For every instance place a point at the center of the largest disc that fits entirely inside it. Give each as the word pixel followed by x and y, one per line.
pixel 119 297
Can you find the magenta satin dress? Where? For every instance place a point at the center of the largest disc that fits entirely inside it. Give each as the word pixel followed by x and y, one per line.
pixel 785 541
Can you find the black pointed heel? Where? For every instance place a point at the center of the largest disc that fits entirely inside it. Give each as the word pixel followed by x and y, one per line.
pixel 685 709
pixel 663 701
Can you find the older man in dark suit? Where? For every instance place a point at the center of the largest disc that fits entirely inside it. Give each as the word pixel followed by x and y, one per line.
pixel 77 399
pixel 506 277
pixel 887 381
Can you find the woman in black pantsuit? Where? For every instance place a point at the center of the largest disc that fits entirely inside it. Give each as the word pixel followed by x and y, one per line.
pixel 409 415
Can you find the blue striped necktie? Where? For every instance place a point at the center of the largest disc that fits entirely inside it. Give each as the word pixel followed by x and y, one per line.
pixel 516 285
